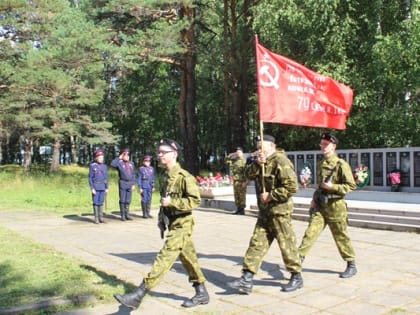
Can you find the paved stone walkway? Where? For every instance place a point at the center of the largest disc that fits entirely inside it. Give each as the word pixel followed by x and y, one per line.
pixel 387 281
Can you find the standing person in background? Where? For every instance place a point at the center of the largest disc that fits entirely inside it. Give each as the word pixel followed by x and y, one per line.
pixel 179 196
pixel 328 206
pixel 237 165
pixel 146 182
pixel 277 179
pixel 126 183
pixel 98 182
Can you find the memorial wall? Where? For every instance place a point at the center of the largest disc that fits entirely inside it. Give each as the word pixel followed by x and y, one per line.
pixel 379 162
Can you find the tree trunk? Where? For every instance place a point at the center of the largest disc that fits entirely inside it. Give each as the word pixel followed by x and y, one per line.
pixel 74 150
pixel 27 160
pixel 187 108
pixel 56 156
pixel 226 75
pixel 238 52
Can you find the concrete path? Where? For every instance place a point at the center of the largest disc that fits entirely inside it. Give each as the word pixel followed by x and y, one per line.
pixel 387 281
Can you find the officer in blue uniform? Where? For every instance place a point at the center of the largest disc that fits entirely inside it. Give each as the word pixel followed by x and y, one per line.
pixel 98 182
pixel 146 182
pixel 126 183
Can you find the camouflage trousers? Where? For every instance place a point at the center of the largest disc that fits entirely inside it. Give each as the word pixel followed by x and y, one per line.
pixel 338 230
pixel 277 227
pixel 239 194
pixel 178 243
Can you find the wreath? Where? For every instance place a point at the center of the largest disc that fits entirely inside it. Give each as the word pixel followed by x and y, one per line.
pixel 361 176
pixel 306 175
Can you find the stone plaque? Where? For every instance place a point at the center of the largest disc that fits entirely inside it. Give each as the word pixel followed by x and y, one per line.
pixel 310 159
pixel 378 168
pixel 353 161
pixel 300 162
pixel 292 158
pixel 416 169
pixel 405 168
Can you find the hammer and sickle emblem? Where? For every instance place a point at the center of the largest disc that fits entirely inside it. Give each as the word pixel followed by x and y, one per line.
pixel 269 74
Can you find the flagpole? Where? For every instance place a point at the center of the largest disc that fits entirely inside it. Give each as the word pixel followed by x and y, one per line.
pixel 261 122
pixel 262 166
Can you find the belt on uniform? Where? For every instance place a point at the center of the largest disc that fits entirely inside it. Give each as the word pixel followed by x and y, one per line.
pixel 173 215
pixel 126 180
pixel 99 182
pixel 333 196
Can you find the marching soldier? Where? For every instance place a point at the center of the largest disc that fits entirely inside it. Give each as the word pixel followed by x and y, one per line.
pixel 237 164
pixel 126 183
pixel 146 182
pixel 98 182
pixel 277 179
pixel 179 196
pixel 328 206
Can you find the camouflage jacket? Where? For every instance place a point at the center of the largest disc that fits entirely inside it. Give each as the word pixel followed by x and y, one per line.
pixel 279 180
pixel 182 187
pixel 342 176
pixel 237 168
pixel 334 206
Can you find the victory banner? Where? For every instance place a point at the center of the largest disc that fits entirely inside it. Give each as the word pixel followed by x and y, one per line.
pixel 289 93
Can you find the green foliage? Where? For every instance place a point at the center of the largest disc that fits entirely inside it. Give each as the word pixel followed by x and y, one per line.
pixel 103 72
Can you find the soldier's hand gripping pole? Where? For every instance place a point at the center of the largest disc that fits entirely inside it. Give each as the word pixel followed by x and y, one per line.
pixel 161 223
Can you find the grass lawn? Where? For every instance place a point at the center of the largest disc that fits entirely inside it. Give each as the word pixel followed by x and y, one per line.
pixel 31 272
pixel 64 193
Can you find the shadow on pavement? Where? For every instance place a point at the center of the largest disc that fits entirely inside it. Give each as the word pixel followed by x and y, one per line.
pixel 122 310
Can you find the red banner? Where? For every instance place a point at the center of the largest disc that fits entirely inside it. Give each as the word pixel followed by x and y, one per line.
pixel 289 93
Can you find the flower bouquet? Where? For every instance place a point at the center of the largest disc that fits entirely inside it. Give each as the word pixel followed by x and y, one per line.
pixel 305 176
pixel 395 179
pixel 361 176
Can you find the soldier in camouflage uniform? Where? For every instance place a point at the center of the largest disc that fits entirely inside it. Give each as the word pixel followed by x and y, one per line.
pixel 279 184
pixel 179 196
pixel 237 165
pixel 328 206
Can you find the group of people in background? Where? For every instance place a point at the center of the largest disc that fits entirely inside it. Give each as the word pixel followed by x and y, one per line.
pixel 128 178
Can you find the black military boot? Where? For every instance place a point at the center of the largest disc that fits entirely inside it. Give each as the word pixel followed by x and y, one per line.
pixel 295 282
pixel 132 300
pixel 148 211
pixel 201 296
pixel 101 214
pixel 96 213
pixel 240 211
pixel 122 211
pixel 350 270
pixel 127 212
pixel 143 209
pixel 244 283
